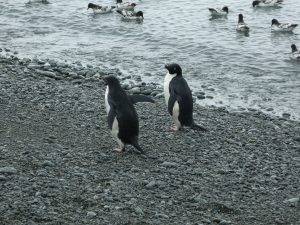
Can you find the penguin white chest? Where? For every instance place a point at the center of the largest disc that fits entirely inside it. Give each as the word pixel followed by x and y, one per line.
pixel 106 100
pixel 167 81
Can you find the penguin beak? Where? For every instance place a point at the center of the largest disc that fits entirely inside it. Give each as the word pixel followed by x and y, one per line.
pixel 167 66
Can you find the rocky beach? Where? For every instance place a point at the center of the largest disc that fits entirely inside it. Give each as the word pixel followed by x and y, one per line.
pixel 57 164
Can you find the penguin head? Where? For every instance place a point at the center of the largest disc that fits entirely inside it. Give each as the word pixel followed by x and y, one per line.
pixel 140 14
pixel 173 69
pixel 255 3
pixel 92 6
pixel 111 81
pixel 294 48
pixel 275 22
pixel 225 9
pixel 241 18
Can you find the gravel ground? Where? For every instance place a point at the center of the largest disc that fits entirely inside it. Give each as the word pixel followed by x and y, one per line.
pixel 57 167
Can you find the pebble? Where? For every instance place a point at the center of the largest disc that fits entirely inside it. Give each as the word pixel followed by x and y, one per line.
pixel 286 115
pixel 225 222
pixel 169 164
pixel 270 109
pixel 162 215
pixel 151 184
pixel 91 214
pixel 138 210
pixel 47 73
pixel 33 66
pixel 2 178
pixel 47 65
pixel 292 201
pixel 200 96
pixel 136 90
pixel 8 170
pixel 47 163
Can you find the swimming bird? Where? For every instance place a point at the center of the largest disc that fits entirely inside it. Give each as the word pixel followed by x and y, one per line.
pixel 266 3
pixel 100 9
pixel 242 26
pixel 125 5
pixel 219 12
pixel 38 1
pixel 122 117
pixel 130 15
pixel 295 52
pixel 285 27
pixel 178 97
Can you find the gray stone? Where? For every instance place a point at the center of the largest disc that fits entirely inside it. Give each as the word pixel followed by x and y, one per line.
pixel 8 170
pixel 225 222
pixel 286 115
pixel 33 66
pixel 292 201
pixel 138 210
pixel 47 73
pixel 169 164
pixel 200 96
pixel 47 163
pixel 135 90
pixel 91 214
pixel 151 184
pixel 2 178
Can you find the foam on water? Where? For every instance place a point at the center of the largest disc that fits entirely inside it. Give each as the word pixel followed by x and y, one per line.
pixel 237 70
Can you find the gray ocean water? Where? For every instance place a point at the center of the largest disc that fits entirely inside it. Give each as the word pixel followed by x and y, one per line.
pixel 237 71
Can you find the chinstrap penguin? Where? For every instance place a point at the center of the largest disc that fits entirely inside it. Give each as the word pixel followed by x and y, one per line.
pixel 219 12
pixel 295 52
pixel 283 27
pixel 178 97
pixel 125 5
pixel 242 26
pixel 122 117
pixel 130 15
pixel 100 9
pixel 266 3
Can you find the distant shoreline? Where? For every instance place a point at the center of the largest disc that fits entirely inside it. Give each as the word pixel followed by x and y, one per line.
pixel 79 73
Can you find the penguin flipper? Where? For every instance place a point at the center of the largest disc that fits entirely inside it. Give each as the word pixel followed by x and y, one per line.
pixel 140 98
pixel 111 117
pixel 135 144
pixel 172 99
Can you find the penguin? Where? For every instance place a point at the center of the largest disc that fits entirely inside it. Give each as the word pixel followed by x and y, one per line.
pixel 242 26
pixel 219 12
pixel 130 15
pixel 179 100
pixel 283 27
pixel 122 117
pixel 98 9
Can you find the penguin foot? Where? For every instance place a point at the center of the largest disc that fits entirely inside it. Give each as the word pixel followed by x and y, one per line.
pixel 119 149
pixel 174 128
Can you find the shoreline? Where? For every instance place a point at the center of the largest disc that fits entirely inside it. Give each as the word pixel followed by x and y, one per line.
pixel 133 84
pixel 57 166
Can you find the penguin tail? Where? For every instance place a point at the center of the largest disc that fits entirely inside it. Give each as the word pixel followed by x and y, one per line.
pixel 198 127
pixel 137 146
